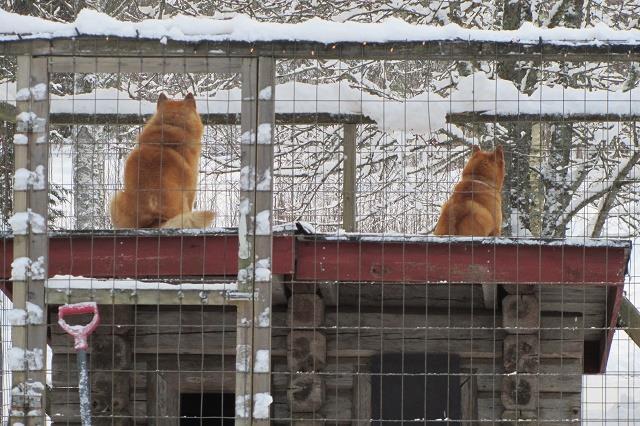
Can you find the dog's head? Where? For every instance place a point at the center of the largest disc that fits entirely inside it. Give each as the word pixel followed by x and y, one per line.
pixel 181 113
pixel 486 164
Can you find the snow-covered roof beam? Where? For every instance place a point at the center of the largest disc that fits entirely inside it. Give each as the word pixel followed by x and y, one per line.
pixel 97 33
pixel 463 118
pixel 444 50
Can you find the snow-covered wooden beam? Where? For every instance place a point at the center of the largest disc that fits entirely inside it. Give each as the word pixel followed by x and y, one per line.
pixel 440 50
pixel 481 117
pixel 321 118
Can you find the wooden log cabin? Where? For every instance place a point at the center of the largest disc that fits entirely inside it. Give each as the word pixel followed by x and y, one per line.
pixel 346 329
pixel 363 326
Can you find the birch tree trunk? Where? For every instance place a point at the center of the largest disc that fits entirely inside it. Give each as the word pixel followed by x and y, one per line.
pixel 88 176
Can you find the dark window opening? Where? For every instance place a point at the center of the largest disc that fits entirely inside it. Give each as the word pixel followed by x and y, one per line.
pixel 207 409
pixel 415 388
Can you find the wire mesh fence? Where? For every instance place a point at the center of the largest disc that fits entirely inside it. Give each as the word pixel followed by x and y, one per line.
pixel 506 316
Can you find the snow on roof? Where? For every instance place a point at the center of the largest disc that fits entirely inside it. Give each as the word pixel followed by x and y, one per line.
pixel 243 28
pixel 391 237
pixel 422 114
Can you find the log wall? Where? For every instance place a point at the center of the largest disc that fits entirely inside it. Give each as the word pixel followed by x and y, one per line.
pixel 525 360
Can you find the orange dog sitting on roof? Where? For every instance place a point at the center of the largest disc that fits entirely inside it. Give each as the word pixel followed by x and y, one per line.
pixel 475 207
pixel 161 173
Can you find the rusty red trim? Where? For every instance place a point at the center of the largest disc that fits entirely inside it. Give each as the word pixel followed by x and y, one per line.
pixel 458 262
pixel 147 257
pixel 614 302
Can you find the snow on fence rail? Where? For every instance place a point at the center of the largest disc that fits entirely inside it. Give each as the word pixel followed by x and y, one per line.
pixel 244 29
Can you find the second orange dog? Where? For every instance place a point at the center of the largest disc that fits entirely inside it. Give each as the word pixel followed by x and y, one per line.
pixel 161 173
pixel 475 207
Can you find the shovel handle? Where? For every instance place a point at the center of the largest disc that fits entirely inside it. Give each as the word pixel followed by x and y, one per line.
pixel 80 333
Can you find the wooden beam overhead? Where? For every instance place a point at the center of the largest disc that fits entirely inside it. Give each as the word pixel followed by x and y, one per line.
pixel 440 50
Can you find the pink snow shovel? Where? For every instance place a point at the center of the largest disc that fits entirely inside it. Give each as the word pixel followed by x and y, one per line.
pixel 80 333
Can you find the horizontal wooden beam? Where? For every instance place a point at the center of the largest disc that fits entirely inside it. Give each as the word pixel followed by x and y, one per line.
pixel 106 64
pixel 470 261
pixel 143 256
pixel 462 118
pixel 8 113
pixel 60 296
pixel 321 118
pixel 440 50
pixel 356 258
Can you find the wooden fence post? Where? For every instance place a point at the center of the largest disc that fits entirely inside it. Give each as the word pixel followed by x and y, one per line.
pixel 253 353
pixel 27 357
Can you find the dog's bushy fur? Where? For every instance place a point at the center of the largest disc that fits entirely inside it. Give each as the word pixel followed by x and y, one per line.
pixel 475 207
pixel 161 173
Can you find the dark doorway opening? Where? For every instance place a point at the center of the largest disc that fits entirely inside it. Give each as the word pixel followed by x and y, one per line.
pixel 207 409
pixel 415 388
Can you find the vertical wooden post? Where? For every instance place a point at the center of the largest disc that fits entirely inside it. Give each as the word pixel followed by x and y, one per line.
pixel 521 355
pixel 112 362
pixel 253 355
pixel 349 178
pixel 29 224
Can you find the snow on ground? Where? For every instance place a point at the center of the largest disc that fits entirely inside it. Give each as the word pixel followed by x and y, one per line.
pixel 243 28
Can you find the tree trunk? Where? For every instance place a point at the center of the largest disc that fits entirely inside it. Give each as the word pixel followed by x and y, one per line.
pixel 88 173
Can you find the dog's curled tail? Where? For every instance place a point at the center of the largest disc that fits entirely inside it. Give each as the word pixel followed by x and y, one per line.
pixel 190 220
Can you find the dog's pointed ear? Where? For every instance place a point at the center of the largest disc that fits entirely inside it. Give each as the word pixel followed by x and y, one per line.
pixel 189 99
pixel 162 98
pixel 499 153
pixel 475 148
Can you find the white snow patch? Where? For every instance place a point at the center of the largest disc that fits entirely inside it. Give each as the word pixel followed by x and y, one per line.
pixel 20 268
pixel 265 182
pixel 247 138
pixel 37 93
pixel 21 221
pixel 17 316
pixel 264 319
pixel 264 134
pixel 34 314
pixel 242 405
pixel 25 179
pixel 37 269
pixel 261 403
pixel 263 362
pixel 243 243
pixel 242 28
pixel 19 139
pixel 265 94
pixel 243 357
pixel 247 178
pixel 263 270
pixel 70 282
pixel 263 226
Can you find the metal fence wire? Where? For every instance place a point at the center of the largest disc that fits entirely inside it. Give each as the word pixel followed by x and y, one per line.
pixel 398 238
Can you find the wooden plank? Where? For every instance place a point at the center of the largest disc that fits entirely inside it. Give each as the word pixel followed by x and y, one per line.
pixel 466 118
pixel 141 297
pixel 112 354
pixel 163 399
pixel 209 119
pixel 31 338
pixel 163 65
pixel 144 255
pixel 444 50
pixel 454 261
pixel 349 161
pixel 262 215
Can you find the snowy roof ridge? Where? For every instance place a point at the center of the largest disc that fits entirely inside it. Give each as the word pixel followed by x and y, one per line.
pixel 241 28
